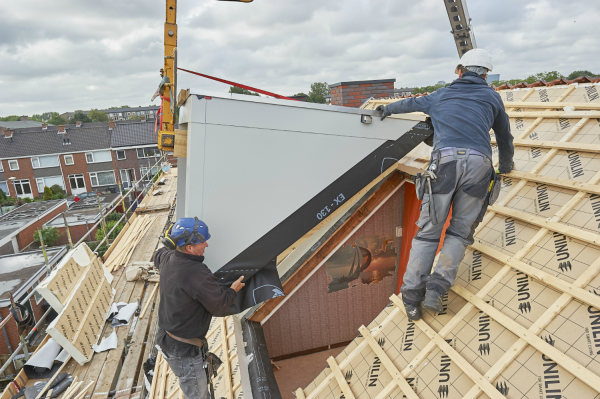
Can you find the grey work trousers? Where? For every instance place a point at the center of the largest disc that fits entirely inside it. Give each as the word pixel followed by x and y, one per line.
pixel 191 374
pixel 463 181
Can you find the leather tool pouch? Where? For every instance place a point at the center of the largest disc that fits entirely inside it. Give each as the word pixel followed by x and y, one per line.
pixel 496 184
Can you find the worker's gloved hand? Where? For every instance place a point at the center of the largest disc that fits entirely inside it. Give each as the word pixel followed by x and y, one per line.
pixel 384 113
pixel 502 171
pixel 237 284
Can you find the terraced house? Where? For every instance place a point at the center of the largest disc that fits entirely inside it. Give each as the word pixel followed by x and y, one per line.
pixel 79 157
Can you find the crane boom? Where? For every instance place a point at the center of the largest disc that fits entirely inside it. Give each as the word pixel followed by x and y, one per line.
pixel 460 22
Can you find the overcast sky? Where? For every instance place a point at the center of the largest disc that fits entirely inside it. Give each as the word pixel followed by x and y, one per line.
pixel 64 55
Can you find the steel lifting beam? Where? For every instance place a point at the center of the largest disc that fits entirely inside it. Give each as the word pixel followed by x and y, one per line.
pixel 460 23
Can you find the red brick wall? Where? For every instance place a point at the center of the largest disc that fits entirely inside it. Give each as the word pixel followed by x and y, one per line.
pixel 11 326
pixel 131 161
pixel 354 95
pixel 79 166
pixel 25 172
pixel 25 237
pixel 76 233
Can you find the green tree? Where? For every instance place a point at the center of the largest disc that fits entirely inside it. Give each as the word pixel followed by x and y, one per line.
pixel 47 193
pixel 429 89
pixel 10 118
pixel 57 120
pixel 114 216
pixel 576 74
pixel 2 195
pixel 239 90
pixel 122 106
pixel 109 226
pixel 57 189
pixel 50 234
pixel 80 117
pixel 317 93
pixel 134 116
pixel 301 94
pixel 57 196
pixel 97 116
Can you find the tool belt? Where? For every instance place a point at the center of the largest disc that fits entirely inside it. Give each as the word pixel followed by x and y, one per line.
pixel 199 342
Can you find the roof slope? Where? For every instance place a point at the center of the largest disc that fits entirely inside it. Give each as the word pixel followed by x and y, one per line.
pixel 35 141
pixel 132 134
pixel 524 317
pixel 20 124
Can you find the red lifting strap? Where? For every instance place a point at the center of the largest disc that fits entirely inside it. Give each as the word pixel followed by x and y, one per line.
pixel 239 85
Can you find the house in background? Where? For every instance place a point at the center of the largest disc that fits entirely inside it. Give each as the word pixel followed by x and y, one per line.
pixel 23 123
pixel 134 150
pixel 404 91
pixel 123 114
pixel 18 227
pixel 78 157
pixel 21 273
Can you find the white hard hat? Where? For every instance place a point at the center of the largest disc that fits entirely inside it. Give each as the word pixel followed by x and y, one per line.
pixel 477 57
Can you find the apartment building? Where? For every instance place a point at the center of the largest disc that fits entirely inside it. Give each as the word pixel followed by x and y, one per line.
pixel 123 114
pixel 79 157
pixel 120 114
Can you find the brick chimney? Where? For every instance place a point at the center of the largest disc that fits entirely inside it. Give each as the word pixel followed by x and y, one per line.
pixel 78 124
pixel 24 118
pixel 44 126
pixel 7 133
pixel 111 125
pixel 62 129
pixel 354 94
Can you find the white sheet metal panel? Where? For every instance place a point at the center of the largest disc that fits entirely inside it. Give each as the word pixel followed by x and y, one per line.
pixel 253 162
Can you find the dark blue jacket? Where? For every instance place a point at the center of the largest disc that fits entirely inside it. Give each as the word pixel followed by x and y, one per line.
pixel 462 115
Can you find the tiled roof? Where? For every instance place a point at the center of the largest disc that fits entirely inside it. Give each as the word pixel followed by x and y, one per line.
pixel 35 141
pixel 20 124
pixel 127 134
pixel 541 83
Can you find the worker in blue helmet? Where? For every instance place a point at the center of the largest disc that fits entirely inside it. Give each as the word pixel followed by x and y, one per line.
pixel 189 296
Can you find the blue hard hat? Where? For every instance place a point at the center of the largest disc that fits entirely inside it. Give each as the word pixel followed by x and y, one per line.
pixel 188 231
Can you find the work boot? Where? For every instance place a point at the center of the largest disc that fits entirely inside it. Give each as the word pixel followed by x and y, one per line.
pixel 433 301
pixel 413 312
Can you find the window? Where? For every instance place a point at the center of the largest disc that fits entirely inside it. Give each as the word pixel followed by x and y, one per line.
pixel 1 167
pixel 22 187
pixel 4 187
pixel 13 164
pixel 148 152
pixel 102 178
pixel 120 154
pixel 98 156
pixel 69 160
pixel 48 182
pixel 144 169
pixel 76 181
pixel 44 162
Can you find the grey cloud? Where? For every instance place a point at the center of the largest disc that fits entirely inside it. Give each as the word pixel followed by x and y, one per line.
pixel 66 55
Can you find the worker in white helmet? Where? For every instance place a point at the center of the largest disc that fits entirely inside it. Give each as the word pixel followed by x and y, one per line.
pixel 460 174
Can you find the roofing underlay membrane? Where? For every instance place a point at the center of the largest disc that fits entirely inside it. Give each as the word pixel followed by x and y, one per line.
pixel 523 320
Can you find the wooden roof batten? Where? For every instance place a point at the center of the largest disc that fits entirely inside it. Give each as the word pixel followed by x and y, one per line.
pixel 576 285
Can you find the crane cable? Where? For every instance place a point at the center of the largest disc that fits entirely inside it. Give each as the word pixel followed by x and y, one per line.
pixel 239 85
